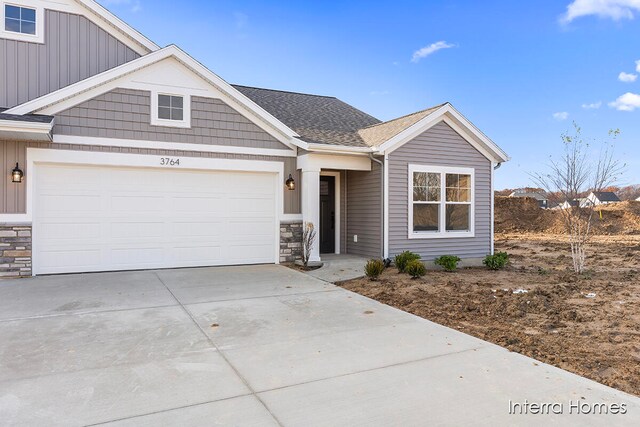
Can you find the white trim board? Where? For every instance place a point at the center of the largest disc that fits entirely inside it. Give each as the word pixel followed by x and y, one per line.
pixel 161 145
pixel 38 37
pixel 121 76
pixel 87 158
pixel 337 213
pixel 459 123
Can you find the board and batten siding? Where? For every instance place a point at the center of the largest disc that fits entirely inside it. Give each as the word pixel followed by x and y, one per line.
pixel 13 200
pixel 74 49
pixel 126 114
pixel 439 146
pixel 364 212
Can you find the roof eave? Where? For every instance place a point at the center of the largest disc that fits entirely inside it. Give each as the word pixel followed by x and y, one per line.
pixel 16 130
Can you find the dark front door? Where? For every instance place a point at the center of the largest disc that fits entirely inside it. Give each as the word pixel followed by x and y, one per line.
pixel 327 214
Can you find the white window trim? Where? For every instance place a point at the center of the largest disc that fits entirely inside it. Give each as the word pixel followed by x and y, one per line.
pixel 186 111
pixel 38 37
pixel 443 233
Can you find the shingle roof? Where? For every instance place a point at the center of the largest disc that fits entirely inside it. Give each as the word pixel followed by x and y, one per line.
pixel 606 196
pixel 29 118
pixel 317 119
pixel 379 133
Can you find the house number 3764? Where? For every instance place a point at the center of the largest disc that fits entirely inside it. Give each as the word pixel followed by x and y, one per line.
pixel 169 161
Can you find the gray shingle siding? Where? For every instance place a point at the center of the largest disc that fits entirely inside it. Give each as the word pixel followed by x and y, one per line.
pixel 364 212
pixel 125 114
pixel 74 49
pixel 439 146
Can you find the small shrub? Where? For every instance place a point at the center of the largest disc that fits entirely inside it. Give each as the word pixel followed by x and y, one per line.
pixel 415 268
pixel 448 262
pixel 497 261
pixel 401 260
pixel 374 268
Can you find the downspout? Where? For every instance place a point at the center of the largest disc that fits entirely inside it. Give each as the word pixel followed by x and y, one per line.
pixel 371 156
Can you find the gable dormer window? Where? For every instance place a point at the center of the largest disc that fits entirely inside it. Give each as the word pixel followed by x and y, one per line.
pixel 19 19
pixel 172 110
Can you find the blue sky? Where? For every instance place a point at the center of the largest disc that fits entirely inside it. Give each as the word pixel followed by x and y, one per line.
pixel 521 71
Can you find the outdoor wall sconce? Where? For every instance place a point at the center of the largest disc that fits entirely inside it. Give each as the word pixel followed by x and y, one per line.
pixel 291 183
pixel 17 174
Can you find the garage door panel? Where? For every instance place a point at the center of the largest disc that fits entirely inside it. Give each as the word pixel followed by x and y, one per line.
pixel 129 230
pixel 132 218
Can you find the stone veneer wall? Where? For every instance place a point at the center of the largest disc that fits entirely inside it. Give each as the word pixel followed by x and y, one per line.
pixel 15 250
pixel 290 241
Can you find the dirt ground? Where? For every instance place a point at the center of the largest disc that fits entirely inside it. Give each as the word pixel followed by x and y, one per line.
pixel 588 324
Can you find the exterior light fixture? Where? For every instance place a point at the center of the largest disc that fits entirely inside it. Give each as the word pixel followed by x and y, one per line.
pixel 290 183
pixel 17 174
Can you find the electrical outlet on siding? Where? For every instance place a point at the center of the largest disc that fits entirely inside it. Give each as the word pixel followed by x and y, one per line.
pixel 355 238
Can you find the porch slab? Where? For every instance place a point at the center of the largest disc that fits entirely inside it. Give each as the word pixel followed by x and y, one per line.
pixel 339 267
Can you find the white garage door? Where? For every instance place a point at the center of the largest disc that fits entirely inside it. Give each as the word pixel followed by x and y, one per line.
pixel 104 218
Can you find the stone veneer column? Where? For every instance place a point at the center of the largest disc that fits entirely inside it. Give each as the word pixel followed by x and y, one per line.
pixel 290 241
pixel 15 250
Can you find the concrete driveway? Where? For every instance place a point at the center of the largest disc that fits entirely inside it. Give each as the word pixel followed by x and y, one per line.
pixel 261 345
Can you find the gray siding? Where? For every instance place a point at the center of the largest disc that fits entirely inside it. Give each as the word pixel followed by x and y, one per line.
pixel 13 195
pixel 440 146
pixel 126 114
pixel 74 48
pixel 364 212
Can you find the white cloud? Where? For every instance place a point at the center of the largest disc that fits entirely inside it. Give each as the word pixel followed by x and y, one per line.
pixel 627 78
pixel 613 9
pixel 432 48
pixel 627 102
pixel 560 116
pixel 638 65
pixel 592 106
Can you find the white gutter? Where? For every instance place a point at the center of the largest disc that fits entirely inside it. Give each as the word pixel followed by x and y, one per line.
pixel 340 148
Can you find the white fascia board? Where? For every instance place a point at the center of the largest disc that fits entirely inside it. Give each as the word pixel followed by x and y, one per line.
pixel 339 149
pixel 459 123
pixel 317 162
pixel 120 25
pixel 20 126
pixel 162 145
pixel 74 94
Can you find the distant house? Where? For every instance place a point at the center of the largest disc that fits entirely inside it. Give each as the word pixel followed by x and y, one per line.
pixel 601 198
pixel 571 204
pixel 543 200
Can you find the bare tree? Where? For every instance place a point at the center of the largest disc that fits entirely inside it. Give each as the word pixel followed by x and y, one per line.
pixel 579 171
pixel 308 239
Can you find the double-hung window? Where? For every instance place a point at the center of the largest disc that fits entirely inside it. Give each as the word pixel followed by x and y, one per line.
pixel 440 202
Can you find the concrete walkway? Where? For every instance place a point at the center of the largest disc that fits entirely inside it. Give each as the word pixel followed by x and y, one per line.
pixel 262 345
pixel 336 268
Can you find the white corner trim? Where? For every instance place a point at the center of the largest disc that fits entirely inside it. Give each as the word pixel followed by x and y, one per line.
pixel 442 234
pixel 38 37
pixel 493 173
pixel 290 217
pixel 185 123
pixel 160 145
pixel 459 123
pixel 386 207
pixel 337 213
pixel 317 162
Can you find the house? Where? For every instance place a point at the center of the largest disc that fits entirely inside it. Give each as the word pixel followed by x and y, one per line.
pixel 123 155
pixel 596 198
pixel 543 200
